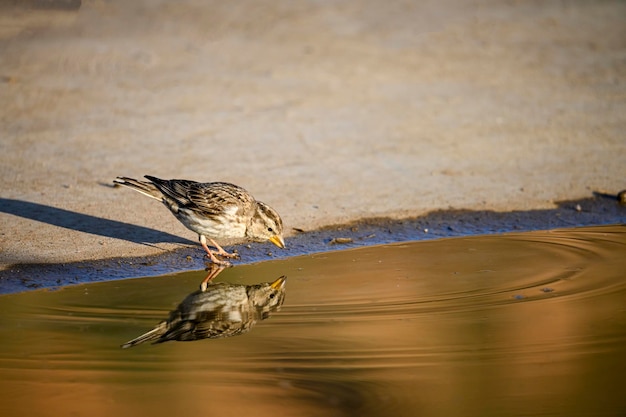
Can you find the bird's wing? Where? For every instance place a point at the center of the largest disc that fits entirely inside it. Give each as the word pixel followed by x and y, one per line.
pixel 220 329
pixel 215 198
pixel 205 199
pixel 175 190
pixel 205 326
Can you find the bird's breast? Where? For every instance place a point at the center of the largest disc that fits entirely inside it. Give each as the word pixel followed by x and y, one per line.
pixel 227 225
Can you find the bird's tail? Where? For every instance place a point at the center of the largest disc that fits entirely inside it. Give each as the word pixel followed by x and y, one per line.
pixel 144 187
pixel 153 334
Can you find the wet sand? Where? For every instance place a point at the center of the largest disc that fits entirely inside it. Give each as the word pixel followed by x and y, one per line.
pixel 329 112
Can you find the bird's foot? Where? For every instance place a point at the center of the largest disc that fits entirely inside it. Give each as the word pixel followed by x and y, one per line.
pixel 220 250
pixel 213 271
pixel 228 255
pixel 214 259
pixel 220 262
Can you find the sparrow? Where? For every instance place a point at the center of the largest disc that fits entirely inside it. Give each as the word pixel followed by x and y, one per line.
pixel 222 310
pixel 214 210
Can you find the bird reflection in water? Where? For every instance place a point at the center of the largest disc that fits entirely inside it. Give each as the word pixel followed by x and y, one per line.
pixel 216 311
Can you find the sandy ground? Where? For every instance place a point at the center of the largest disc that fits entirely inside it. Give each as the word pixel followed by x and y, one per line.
pixel 328 111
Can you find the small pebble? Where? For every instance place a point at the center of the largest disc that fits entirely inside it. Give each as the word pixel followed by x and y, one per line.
pixel 578 208
pixel 341 240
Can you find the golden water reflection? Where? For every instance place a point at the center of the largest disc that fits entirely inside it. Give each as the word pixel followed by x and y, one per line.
pixel 215 311
pixel 518 324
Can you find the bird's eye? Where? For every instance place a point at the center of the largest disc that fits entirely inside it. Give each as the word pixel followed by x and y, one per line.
pixel 272 295
pixel 269 229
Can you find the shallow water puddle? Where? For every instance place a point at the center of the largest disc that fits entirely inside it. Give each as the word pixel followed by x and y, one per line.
pixel 517 324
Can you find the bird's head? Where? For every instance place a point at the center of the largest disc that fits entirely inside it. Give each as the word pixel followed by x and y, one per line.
pixel 266 225
pixel 267 297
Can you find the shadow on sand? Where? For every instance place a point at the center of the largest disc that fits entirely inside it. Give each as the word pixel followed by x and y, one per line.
pixel 86 223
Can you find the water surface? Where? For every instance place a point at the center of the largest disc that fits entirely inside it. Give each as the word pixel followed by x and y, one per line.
pixel 528 324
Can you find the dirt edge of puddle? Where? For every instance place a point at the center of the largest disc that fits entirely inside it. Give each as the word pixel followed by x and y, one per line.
pixel 598 210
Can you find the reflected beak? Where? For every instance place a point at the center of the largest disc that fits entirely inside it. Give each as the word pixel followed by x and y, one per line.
pixel 279 283
pixel 278 241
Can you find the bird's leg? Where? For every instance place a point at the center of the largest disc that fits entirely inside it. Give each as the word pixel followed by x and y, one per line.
pixel 210 254
pixel 214 270
pixel 222 252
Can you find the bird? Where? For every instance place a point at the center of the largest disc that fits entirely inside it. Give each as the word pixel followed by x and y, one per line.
pixel 222 310
pixel 214 210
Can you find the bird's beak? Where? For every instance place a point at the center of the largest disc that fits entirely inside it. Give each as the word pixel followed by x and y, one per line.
pixel 279 283
pixel 278 241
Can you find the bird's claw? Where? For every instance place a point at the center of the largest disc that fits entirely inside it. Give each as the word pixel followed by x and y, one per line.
pixel 225 254
pixel 214 260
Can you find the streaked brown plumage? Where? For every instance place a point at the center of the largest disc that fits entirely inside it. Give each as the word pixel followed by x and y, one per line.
pixel 222 310
pixel 214 210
